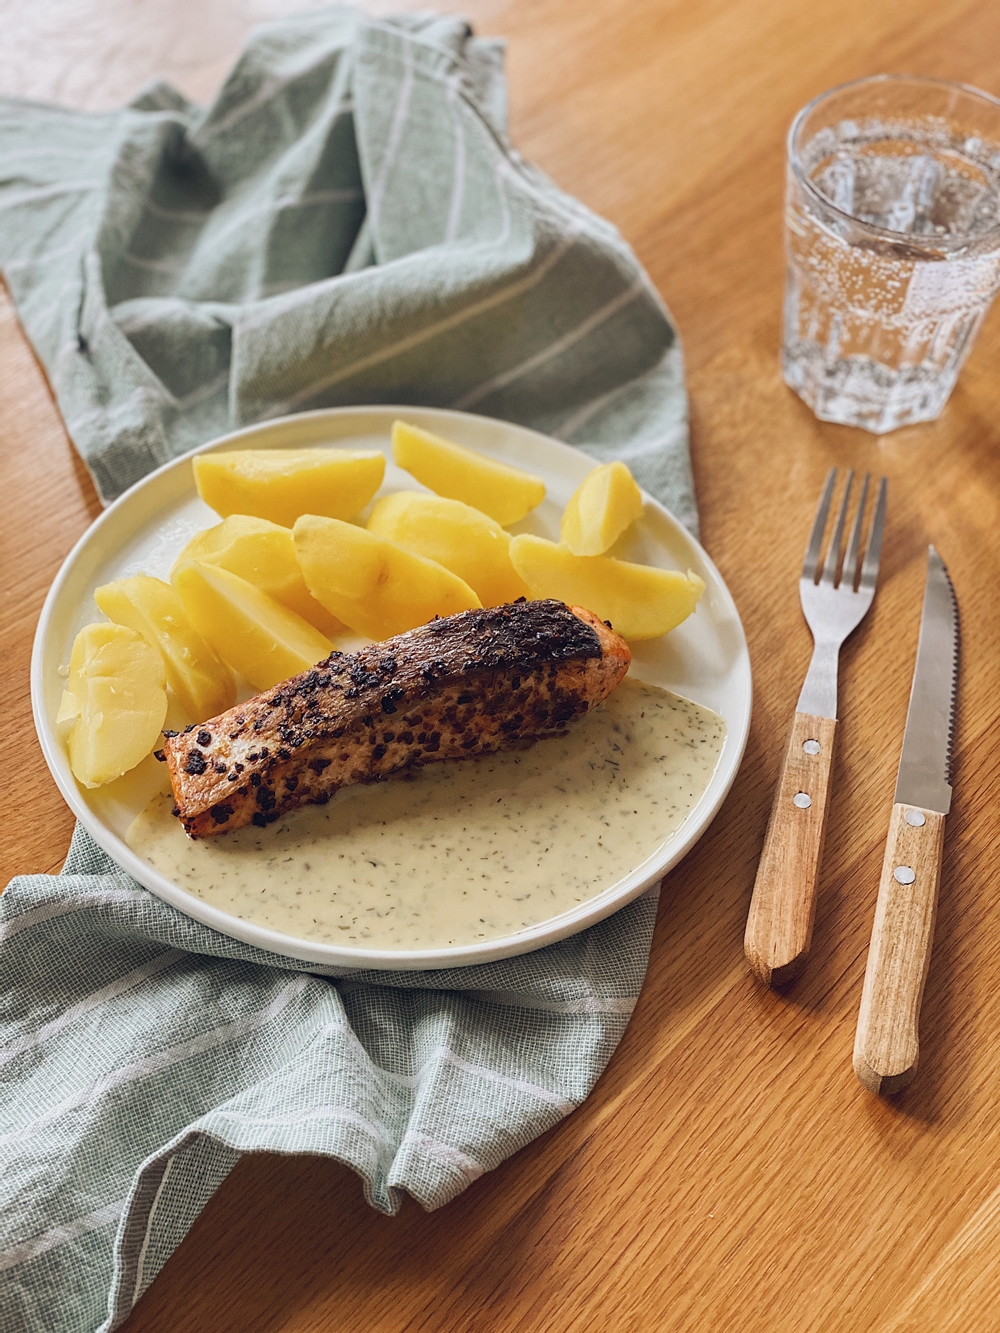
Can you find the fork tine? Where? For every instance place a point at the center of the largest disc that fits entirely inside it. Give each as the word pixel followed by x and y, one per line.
pixel 850 572
pixel 869 571
pixel 809 566
pixel 832 561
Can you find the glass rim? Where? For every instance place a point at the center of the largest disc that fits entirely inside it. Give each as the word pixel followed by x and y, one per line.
pixel 908 238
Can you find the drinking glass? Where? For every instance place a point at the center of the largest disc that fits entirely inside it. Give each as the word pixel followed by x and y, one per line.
pixel 893 239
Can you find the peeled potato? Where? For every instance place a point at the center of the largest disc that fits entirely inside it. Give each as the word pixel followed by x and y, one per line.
pixel 201 681
pixel 257 636
pixel 116 699
pixel 469 543
pixel 263 553
pixel 641 602
pixel 281 484
pixel 371 584
pixel 600 509
pixel 505 493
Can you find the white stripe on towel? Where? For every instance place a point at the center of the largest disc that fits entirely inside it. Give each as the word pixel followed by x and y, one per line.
pixel 591 408
pixel 448 1056
pixel 157 1061
pixel 466 1166
pixel 563 1106
pixel 590 1004
pixel 141 1261
pixel 399 118
pixel 65 907
pixel 111 991
pixel 62 1234
pixel 554 349
pixel 515 289
pixel 458 179
pixel 47 192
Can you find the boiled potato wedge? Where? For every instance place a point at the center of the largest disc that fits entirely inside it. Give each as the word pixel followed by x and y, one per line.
pixel 281 484
pixel 261 639
pixel 505 493
pixel 640 601
pixel 371 584
pixel 263 553
pixel 200 680
pixel 464 540
pixel 116 699
pixel 605 503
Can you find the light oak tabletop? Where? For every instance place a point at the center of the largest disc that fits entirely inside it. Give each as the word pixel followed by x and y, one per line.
pixel 728 1171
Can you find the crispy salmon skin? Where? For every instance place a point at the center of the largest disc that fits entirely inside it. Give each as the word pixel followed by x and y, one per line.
pixel 470 684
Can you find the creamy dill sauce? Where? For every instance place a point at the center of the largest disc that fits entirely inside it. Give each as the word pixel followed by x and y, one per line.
pixel 460 851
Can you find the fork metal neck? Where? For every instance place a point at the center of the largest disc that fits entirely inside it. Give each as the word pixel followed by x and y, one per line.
pixel 819 689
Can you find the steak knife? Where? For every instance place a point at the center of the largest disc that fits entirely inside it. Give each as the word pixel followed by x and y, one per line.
pixel 886 1048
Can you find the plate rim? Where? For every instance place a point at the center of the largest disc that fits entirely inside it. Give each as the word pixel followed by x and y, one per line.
pixel 335 957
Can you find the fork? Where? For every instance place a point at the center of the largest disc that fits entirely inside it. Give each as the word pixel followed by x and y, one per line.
pixel 834 602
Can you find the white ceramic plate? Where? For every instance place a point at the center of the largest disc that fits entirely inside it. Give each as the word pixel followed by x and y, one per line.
pixel 705 659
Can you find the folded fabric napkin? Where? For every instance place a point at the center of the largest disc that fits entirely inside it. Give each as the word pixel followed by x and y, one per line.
pixel 347 223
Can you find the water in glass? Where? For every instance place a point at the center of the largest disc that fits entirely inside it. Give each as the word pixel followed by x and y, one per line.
pixel 893 234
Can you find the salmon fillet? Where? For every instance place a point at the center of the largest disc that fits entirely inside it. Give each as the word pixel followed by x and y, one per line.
pixel 469 684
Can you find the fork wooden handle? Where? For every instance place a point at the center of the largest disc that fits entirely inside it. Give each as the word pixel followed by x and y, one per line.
pixel 783 906
pixel 887 1044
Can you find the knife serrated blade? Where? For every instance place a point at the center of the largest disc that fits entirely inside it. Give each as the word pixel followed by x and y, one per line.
pixel 924 778
pixel 887 1044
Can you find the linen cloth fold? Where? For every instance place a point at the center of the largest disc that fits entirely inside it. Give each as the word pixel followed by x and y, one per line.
pixel 347 223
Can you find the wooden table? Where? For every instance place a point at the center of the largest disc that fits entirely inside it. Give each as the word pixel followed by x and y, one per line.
pixel 729 1171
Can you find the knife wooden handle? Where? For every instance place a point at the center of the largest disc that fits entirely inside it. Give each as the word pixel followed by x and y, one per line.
pixel 783 906
pixel 887 1044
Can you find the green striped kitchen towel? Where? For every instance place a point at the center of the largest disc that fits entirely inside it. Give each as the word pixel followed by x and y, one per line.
pixel 347 223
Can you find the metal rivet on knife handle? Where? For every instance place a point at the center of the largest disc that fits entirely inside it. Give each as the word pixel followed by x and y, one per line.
pixel 887 1045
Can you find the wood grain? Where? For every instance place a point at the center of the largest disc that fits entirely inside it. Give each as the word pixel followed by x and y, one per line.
pixel 887 1044
pixel 783 904
pixel 729 1171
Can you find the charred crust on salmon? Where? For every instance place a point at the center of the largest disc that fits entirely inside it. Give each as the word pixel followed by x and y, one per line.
pixel 481 681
